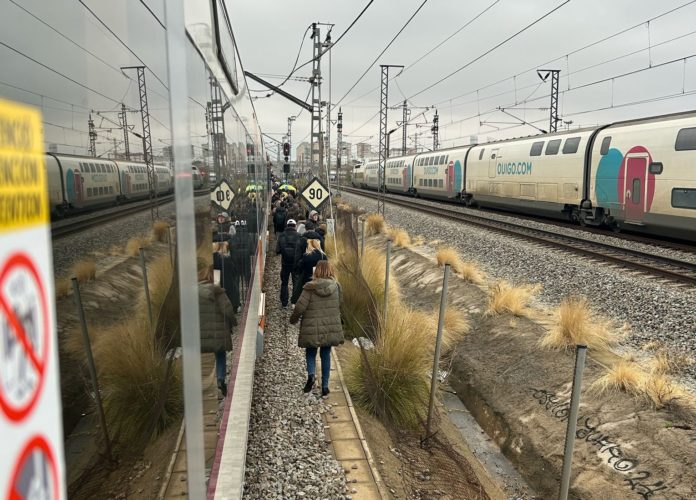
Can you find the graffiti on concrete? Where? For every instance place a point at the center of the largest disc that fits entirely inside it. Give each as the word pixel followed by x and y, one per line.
pixel 639 481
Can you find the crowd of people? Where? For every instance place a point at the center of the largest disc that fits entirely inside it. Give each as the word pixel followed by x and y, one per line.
pixel 315 295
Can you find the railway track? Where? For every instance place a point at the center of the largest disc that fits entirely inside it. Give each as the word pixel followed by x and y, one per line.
pixel 61 229
pixel 673 270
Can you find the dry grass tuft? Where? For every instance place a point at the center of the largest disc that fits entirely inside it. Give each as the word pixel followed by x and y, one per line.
pixel 132 373
pixel 418 241
pixel 669 363
pixel 506 298
pixel 456 325
pixel 391 380
pixel 653 345
pixel 160 231
pixel 576 323
pixel 623 376
pixel 85 270
pixel 374 225
pixel 134 244
pixel 399 237
pixel 467 270
pixel 660 390
pixel 63 287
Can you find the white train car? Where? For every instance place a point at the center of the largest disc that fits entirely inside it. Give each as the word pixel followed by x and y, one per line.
pixel 399 173
pixel 81 183
pixel 642 176
pixel 541 174
pixel 134 185
pixel 371 175
pixel 163 180
pixel 440 174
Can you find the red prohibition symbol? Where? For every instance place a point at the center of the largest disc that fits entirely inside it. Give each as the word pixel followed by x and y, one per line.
pixel 35 474
pixel 24 336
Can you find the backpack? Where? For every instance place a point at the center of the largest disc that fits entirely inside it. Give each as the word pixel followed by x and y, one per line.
pixel 279 217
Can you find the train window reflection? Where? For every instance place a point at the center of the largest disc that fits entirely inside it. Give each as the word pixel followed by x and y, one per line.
pixel 571 145
pixel 684 198
pixel 553 146
pixel 606 143
pixel 536 149
pixel 686 139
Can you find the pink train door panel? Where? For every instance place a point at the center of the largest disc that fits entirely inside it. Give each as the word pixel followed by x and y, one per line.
pixel 635 188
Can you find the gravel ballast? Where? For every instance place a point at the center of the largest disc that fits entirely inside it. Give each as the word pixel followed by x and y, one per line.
pixel 288 455
pixel 653 309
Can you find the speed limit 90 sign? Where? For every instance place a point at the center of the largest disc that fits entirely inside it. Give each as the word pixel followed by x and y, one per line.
pixel 316 193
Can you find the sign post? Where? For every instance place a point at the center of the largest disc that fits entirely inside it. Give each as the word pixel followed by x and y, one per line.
pixel 32 462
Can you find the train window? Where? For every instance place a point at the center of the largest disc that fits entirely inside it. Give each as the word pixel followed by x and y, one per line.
pixel 442 160
pixel 111 189
pixel 441 183
pixel 553 146
pixel 481 153
pixel 89 192
pixel 684 198
pixel 606 143
pixel 635 191
pixel 571 145
pixel 536 149
pixel 686 139
pixel 447 160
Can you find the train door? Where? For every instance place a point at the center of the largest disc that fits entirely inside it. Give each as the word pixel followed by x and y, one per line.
pixel 492 162
pixel 635 187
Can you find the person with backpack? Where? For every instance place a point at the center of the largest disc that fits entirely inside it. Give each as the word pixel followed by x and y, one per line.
pixel 279 218
pixel 285 247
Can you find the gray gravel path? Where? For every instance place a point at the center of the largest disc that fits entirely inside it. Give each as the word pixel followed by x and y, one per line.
pixel 288 456
pixel 654 310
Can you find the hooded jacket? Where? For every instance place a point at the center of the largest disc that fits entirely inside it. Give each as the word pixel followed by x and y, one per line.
pixel 217 318
pixel 319 306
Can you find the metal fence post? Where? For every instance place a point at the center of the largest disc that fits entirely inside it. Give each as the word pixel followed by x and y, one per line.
pixel 386 282
pixel 147 288
pixel 90 365
pixel 438 343
pixel 362 238
pixel 169 244
pixel 580 354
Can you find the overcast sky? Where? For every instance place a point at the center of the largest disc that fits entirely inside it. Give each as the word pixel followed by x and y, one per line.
pixel 269 33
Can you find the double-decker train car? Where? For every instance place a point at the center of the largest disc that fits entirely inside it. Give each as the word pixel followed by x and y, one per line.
pixel 638 174
pixel 398 176
pixel 78 183
pixel 541 174
pixel 371 175
pixel 358 175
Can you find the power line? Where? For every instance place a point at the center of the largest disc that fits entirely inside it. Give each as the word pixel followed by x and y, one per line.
pixel 339 38
pixel 451 36
pixel 122 42
pixel 153 14
pixel 57 72
pixel 580 49
pixel 478 58
pixel 383 51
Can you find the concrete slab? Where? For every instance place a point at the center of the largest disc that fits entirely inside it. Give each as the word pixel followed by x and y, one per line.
pixel 342 414
pixel 336 398
pixel 348 449
pixel 362 474
pixel 342 430
pixel 364 491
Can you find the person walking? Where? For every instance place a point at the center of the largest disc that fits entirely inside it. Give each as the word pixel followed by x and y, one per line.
pixel 308 261
pixel 217 320
pixel 285 247
pixel 229 278
pixel 281 214
pixel 319 308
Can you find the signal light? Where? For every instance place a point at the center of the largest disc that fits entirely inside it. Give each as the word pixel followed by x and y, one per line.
pixel 286 149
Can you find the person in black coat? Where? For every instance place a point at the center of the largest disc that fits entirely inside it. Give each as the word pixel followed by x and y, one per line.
pixel 285 247
pixel 229 278
pixel 279 218
pixel 308 261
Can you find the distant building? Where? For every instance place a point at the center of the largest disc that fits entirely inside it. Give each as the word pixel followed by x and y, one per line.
pixel 363 150
pixel 303 153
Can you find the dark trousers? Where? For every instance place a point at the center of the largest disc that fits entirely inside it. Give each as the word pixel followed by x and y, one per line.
pixel 285 273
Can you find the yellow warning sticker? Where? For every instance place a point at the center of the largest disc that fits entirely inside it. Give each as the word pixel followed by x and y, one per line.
pixel 23 193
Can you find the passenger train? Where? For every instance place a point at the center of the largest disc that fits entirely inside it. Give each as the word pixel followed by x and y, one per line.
pixel 638 174
pixel 79 183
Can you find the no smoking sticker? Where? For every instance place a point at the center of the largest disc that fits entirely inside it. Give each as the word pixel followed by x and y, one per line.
pixel 24 336
pixel 35 474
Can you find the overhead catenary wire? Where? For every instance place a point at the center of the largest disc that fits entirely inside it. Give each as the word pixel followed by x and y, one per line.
pixel 382 52
pixel 495 47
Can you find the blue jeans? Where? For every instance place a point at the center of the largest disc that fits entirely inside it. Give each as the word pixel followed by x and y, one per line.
pixel 221 365
pixel 325 355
